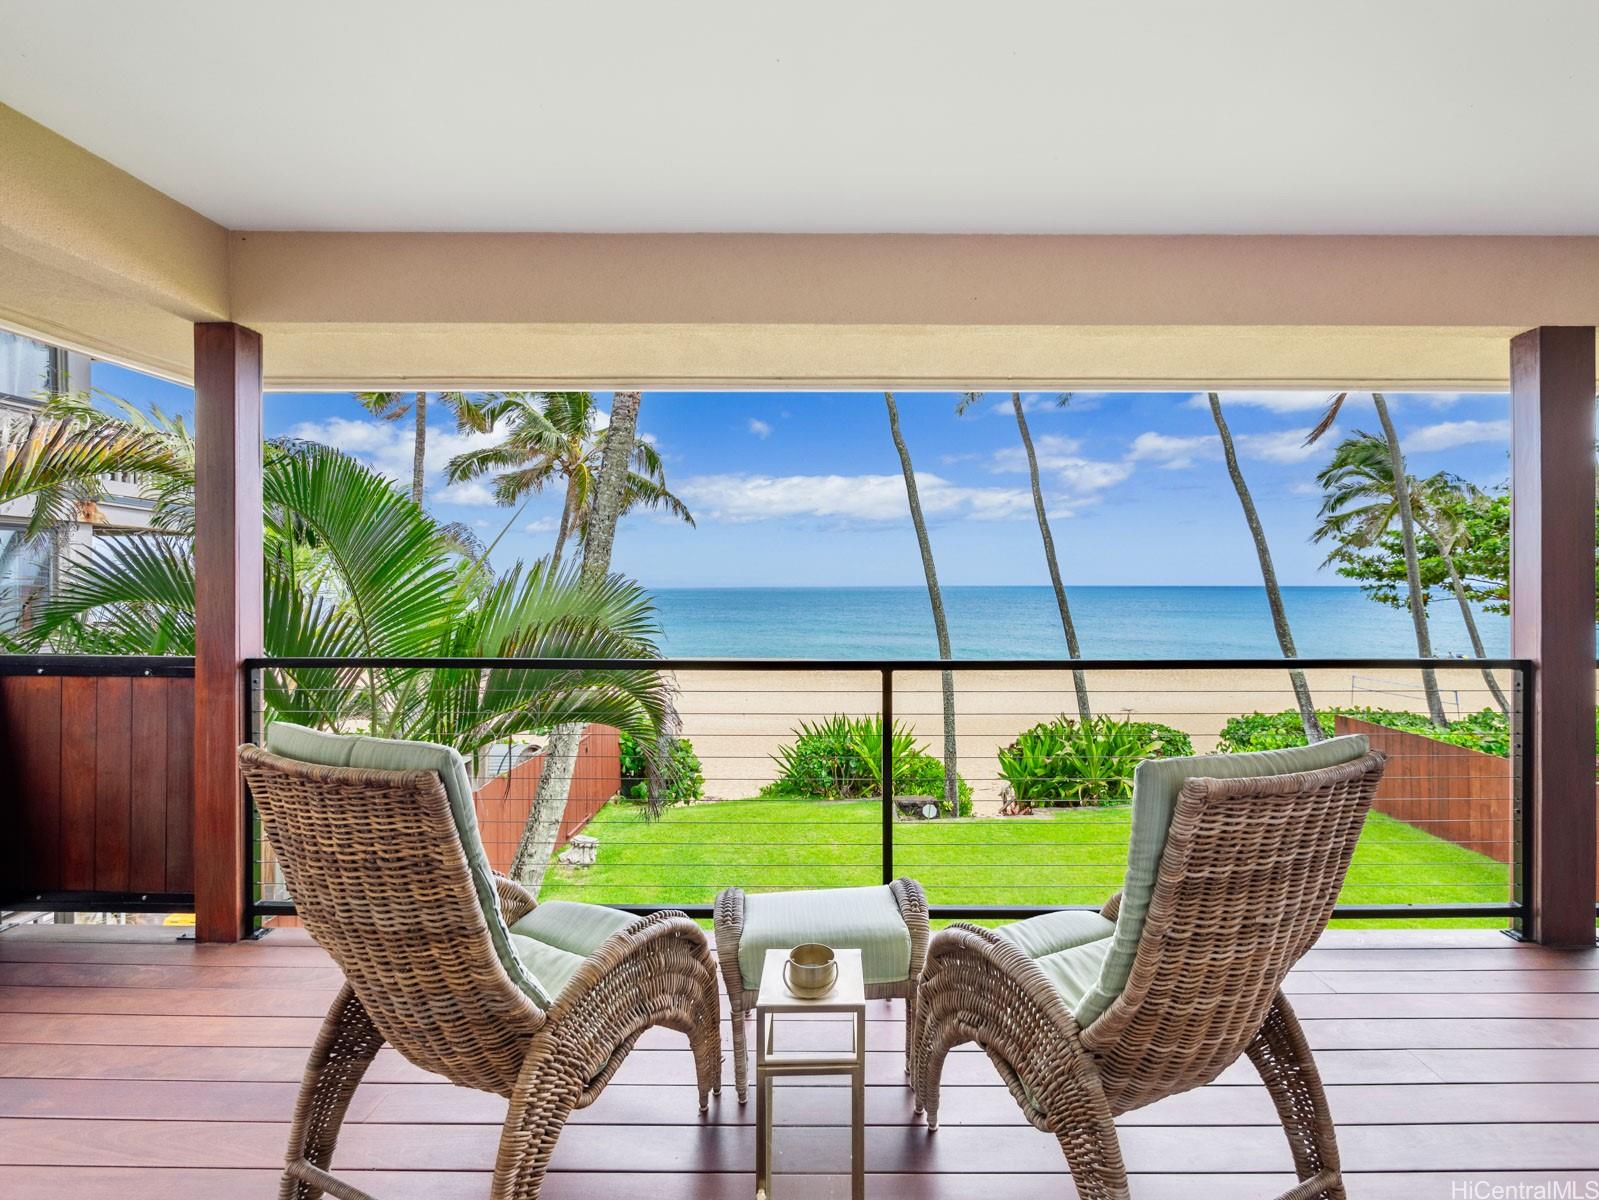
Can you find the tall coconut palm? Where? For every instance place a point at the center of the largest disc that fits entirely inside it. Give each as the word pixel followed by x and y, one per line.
pixel 355 568
pixel 1360 506
pixel 936 597
pixel 396 406
pixel 558 436
pixel 539 834
pixel 1268 573
pixel 1407 532
pixel 1068 627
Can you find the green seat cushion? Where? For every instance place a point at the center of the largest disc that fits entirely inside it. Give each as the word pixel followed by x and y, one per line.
pixel 1075 970
pixel 568 925
pixel 550 965
pixel 1056 931
pixel 862 918
pixel 387 754
pixel 1156 784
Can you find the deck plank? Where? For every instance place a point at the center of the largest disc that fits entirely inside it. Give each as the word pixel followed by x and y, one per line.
pixel 135 1065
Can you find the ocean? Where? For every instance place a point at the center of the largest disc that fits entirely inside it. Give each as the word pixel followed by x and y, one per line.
pixel 1022 622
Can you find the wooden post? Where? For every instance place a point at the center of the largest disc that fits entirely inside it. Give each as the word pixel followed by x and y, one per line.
pixel 227 573
pixel 1552 616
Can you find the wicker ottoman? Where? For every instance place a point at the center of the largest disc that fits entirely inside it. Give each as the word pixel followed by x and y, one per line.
pixel 887 924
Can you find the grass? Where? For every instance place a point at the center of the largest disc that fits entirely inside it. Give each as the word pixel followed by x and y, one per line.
pixel 1073 856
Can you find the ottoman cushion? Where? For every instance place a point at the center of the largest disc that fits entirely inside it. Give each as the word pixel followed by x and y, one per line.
pixel 864 918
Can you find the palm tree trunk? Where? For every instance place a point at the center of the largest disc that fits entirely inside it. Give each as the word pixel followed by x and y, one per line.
pixel 419 449
pixel 936 597
pixel 1079 680
pixel 562 530
pixel 537 843
pixel 1268 574
pixel 1407 531
pixel 1471 628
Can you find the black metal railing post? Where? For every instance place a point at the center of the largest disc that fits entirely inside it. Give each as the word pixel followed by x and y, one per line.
pixel 1522 857
pixel 887 756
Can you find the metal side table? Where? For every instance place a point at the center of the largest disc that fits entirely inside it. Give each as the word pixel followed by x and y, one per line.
pixel 848 996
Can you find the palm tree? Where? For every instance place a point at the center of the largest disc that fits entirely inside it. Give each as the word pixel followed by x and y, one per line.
pixel 557 436
pixel 1068 627
pixel 394 406
pixel 1268 574
pixel 1407 533
pixel 539 834
pixel 1360 506
pixel 68 448
pixel 936 597
pixel 353 567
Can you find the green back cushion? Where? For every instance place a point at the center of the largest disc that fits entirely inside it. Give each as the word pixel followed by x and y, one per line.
pixel 1156 784
pixel 386 754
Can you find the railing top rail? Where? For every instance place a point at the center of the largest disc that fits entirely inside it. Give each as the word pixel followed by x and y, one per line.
pixel 905 664
pixel 163 666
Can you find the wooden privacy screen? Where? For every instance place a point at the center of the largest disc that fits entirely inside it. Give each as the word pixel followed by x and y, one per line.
pixel 1460 795
pixel 504 801
pixel 98 783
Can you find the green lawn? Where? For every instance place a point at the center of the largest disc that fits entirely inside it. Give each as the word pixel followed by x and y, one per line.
pixel 1070 857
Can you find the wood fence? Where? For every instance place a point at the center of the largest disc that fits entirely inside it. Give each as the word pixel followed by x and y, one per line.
pixel 503 803
pixel 1463 796
pixel 98 783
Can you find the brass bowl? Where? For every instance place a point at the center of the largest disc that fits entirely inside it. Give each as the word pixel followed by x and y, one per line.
pixel 810 971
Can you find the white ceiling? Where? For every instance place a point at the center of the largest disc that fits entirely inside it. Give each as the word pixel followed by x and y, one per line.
pixel 1227 116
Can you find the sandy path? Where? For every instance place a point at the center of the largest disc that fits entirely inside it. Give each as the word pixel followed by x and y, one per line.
pixel 738 719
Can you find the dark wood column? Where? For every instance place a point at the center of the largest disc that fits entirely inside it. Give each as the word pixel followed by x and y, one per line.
pixel 1552 615
pixel 227 570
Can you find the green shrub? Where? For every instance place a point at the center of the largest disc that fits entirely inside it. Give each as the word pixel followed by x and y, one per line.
pixel 681 775
pixel 1487 731
pixel 1074 763
pixel 841 758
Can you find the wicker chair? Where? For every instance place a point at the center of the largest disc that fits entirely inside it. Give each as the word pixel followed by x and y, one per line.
pixel 381 881
pixel 1245 884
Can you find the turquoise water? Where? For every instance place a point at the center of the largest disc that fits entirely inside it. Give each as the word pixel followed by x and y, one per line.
pixel 1022 622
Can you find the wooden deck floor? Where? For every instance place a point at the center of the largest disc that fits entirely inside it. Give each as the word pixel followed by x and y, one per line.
pixel 135 1066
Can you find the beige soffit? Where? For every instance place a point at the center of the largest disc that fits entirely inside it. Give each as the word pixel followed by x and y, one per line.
pixel 96 260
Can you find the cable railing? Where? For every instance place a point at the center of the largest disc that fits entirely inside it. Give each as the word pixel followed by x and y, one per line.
pixel 690 775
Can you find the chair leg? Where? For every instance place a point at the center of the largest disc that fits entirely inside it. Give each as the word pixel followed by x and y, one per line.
pixel 741 1050
pixel 546 1093
pixel 1094 1154
pixel 910 1027
pixel 344 1048
pixel 1282 1056
pixel 705 1040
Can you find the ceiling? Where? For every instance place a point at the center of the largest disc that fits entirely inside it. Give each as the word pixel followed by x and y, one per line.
pixel 1232 116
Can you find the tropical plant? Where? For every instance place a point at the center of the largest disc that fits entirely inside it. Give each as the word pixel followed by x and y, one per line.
pixel 396 406
pixel 1268 571
pixel 60 460
pixel 935 597
pixel 1067 762
pixel 355 568
pixel 1415 593
pixel 682 776
pixel 841 758
pixel 1360 507
pixel 1487 730
pixel 1068 626
pixel 557 436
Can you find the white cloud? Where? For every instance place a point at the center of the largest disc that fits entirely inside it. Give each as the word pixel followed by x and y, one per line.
pixel 387 447
pixel 1285 445
pixel 1448 434
pixel 1032 402
pixel 1170 452
pixel 542 525
pixel 1062 458
pixel 760 429
pixel 742 498
pixel 1277 402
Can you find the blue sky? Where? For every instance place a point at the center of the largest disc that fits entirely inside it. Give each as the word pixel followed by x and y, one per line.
pixel 793 488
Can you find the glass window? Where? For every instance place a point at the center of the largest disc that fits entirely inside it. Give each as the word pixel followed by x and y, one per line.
pixel 27 367
pixel 24 574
